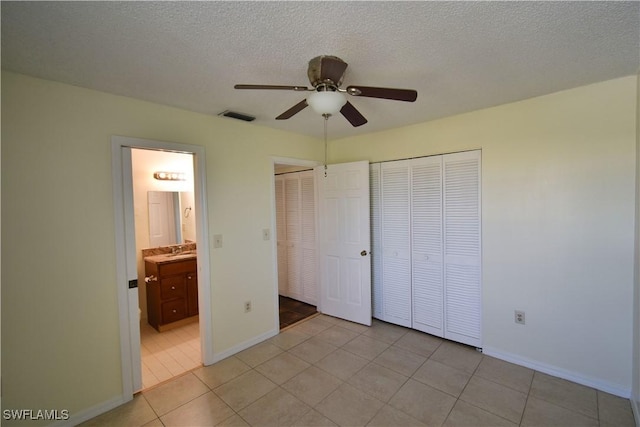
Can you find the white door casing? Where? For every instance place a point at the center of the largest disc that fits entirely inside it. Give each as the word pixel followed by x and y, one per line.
pixel 131 269
pixel 126 255
pixel 344 241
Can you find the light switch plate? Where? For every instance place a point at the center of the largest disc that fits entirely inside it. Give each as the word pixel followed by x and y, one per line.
pixel 266 234
pixel 217 240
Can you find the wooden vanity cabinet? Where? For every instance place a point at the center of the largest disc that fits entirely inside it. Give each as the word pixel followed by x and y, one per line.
pixel 172 293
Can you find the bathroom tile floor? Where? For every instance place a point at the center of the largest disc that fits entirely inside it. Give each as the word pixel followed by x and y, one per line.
pixel 328 372
pixel 168 354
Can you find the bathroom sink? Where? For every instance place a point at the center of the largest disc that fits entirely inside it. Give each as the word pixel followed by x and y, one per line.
pixel 181 255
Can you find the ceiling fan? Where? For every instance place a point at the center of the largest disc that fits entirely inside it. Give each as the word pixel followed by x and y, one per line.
pixel 326 74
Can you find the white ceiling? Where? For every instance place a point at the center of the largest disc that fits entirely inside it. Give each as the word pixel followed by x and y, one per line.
pixel 459 56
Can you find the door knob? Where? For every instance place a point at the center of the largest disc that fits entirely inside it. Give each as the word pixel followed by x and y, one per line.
pixel 363 253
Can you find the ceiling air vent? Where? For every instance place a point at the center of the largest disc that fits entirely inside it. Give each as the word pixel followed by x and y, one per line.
pixel 238 116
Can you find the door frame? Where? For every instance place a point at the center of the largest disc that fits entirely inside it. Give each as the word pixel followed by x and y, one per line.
pixel 127 314
pixel 290 161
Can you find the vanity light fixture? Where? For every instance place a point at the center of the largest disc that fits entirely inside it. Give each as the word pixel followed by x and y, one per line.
pixel 169 176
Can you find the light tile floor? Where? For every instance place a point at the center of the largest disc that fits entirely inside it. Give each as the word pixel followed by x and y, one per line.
pixel 328 372
pixel 168 354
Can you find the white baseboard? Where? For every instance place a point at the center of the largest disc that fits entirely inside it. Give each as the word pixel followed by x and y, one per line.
pixel 103 407
pixel 635 407
pixel 559 372
pixel 244 345
pixel 92 412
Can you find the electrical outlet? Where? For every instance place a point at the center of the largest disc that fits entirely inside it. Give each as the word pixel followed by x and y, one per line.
pixel 519 317
pixel 217 240
pixel 266 234
pixel 247 306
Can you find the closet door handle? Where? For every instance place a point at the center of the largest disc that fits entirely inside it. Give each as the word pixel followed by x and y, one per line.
pixel 363 253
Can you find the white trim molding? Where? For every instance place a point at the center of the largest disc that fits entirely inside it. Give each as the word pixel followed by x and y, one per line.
pixel 558 372
pixel 118 143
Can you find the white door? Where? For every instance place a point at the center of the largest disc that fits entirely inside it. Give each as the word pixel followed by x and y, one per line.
pixel 344 241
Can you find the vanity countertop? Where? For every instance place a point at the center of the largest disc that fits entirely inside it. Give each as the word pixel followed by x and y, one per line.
pixel 167 258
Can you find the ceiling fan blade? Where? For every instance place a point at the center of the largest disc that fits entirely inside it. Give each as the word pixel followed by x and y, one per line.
pixel 332 68
pixel 277 87
pixel 408 95
pixel 293 110
pixel 350 113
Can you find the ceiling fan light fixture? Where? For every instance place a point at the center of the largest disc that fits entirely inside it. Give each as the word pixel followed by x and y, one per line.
pixel 326 102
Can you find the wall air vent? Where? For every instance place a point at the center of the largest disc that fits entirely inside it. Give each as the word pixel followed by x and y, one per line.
pixel 239 116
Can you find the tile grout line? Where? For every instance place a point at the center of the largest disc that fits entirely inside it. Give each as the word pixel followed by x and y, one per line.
pixel 526 401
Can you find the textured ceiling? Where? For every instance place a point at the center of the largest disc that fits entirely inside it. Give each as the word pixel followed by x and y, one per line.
pixel 459 56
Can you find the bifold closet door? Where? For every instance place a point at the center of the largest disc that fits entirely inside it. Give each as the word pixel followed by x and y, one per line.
pixel 376 251
pixel 281 237
pixel 462 247
pixel 308 272
pixel 293 235
pixel 296 236
pixel 396 243
pixel 426 237
pixel 426 245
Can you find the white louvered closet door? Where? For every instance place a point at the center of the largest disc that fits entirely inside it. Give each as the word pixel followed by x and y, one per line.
pixel 281 237
pixel 462 250
pixel 396 243
pixel 426 245
pixel 294 235
pixel 308 249
pixel 376 256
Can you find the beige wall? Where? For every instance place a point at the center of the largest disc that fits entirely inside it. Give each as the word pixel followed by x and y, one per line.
pixel 60 332
pixel 558 190
pixel 558 214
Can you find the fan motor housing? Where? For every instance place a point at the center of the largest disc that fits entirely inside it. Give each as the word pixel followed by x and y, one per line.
pixel 317 73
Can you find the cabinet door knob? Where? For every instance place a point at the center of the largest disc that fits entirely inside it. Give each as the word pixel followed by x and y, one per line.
pixel 189 277
pixel 175 311
pixel 363 253
pixel 173 288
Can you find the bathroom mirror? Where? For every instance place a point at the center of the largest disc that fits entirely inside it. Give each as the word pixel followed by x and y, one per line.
pixel 171 219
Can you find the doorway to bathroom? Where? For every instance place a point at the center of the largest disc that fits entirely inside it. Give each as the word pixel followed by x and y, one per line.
pixel 165 219
pixel 134 226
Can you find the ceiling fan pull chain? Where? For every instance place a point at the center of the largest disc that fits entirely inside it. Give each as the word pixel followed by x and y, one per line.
pixel 326 119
